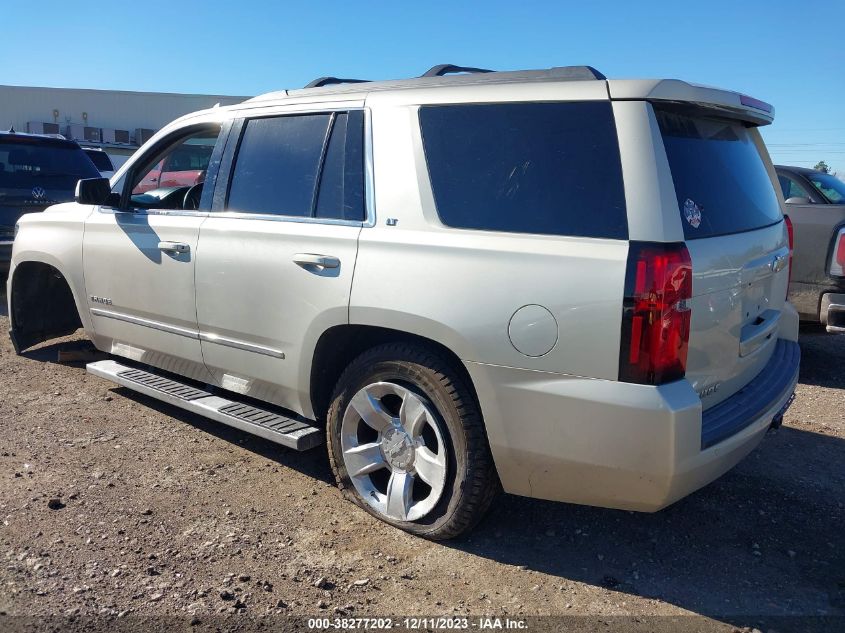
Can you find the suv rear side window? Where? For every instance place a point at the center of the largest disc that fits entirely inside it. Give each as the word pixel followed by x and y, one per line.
pixel 720 179
pixel 546 168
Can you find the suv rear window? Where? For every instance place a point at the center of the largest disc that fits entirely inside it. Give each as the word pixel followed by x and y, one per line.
pixel 52 165
pixel 720 178
pixel 547 168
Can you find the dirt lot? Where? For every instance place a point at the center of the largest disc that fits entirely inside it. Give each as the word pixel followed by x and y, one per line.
pixel 112 504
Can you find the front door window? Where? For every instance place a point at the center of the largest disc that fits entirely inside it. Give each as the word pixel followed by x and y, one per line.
pixel 173 176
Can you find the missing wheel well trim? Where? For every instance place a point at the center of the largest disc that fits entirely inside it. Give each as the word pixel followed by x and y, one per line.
pixel 42 305
pixel 339 346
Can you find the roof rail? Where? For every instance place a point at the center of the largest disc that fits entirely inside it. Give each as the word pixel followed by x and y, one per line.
pixel 328 81
pixel 576 72
pixel 447 69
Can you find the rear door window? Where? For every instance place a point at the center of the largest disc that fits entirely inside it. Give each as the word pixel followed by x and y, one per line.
pixel 720 179
pixel 545 168
pixel 341 194
pixel 277 165
pixel 792 189
pixel 832 188
pixel 308 165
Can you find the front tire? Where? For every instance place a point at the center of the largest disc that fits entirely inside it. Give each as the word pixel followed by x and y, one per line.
pixel 407 444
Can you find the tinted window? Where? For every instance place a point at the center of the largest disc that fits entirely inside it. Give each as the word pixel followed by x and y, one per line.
pixel 277 165
pixel 101 160
pixel 342 181
pixel 549 168
pixel 832 188
pixel 720 179
pixel 52 166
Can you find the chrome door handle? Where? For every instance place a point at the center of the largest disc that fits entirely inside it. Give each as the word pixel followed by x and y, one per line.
pixel 310 259
pixel 174 247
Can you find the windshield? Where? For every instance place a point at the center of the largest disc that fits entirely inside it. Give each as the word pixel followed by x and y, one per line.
pixel 830 186
pixel 24 165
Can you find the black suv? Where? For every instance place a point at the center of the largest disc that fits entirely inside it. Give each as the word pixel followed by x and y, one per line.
pixel 35 172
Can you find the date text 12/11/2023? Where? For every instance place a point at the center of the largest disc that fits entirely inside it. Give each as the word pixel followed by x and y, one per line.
pixel 481 623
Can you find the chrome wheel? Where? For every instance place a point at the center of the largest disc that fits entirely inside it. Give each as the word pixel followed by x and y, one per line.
pixel 393 451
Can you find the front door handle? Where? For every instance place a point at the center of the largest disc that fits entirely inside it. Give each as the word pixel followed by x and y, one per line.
pixel 174 247
pixel 310 259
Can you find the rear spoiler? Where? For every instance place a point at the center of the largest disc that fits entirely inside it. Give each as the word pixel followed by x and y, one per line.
pixel 726 102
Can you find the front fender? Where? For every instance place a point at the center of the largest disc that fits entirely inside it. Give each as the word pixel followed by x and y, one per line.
pixel 54 237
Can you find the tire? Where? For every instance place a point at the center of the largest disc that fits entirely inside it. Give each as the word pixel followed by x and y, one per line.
pixel 430 429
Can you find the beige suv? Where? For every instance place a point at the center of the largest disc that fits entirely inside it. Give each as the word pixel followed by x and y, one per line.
pixel 569 286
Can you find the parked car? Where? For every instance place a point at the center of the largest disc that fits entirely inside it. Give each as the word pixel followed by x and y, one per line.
pixel 435 276
pixel 101 160
pixel 815 203
pixel 35 172
pixel 185 166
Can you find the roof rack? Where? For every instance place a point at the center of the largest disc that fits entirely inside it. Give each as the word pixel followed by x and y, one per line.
pixel 328 81
pixel 447 69
pixel 576 72
pixel 447 73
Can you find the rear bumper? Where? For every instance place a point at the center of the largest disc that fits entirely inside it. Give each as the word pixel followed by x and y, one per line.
pixel 822 302
pixel 832 312
pixel 620 445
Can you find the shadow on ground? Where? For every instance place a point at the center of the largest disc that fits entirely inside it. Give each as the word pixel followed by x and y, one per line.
pixel 765 538
pixel 822 357
pixel 303 462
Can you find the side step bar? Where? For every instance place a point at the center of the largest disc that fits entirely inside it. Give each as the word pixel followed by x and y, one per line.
pixel 267 424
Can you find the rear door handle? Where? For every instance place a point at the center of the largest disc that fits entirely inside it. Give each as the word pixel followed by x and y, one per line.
pixel 174 247
pixel 310 259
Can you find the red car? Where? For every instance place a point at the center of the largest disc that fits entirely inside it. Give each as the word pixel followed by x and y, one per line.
pixel 184 167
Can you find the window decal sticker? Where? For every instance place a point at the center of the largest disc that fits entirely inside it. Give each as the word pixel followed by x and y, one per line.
pixel 692 212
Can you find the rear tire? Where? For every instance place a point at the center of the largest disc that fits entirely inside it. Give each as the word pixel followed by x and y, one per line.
pixel 407 444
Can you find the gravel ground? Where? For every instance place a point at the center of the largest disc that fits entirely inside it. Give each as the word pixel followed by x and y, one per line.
pixel 113 504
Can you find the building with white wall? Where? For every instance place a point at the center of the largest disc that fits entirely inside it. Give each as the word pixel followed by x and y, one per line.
pixel 119 121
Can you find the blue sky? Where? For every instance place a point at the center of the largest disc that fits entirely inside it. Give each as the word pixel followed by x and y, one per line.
pixel 785 53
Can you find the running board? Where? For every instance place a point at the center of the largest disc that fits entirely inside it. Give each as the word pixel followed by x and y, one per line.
pixel 277 428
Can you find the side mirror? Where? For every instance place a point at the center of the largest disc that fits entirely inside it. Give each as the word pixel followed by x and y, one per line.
pixel 93 191
pixel 798 200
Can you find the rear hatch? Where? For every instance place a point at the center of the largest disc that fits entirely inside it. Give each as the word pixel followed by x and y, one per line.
pixel 36 172
pixel 737 241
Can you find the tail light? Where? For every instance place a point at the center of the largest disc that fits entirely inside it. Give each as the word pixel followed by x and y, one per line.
pixel 790 234
pixel 837 261
pixel 655 314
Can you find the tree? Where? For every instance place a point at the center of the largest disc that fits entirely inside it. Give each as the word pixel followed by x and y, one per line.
pixel 822 167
